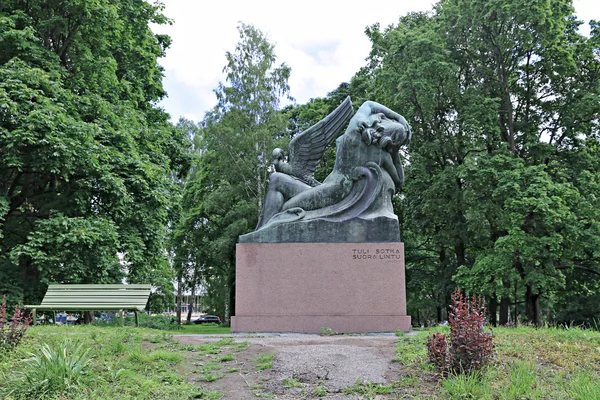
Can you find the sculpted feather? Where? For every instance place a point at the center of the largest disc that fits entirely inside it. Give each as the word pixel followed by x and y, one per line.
pixel 306 149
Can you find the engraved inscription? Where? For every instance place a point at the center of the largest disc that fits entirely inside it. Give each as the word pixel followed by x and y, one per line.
pixel 377 254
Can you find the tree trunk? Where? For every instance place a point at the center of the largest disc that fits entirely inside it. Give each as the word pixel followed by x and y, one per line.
pixel 231 296
pixel 179 295
pixel 493 310
pixel 88 317
pixel 504 305
pixel 532 306
pixel 439 314
pixel 190 307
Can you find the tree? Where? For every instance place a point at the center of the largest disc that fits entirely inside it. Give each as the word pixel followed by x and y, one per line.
pixel 86 156
pixel 223 198
pixel 504 105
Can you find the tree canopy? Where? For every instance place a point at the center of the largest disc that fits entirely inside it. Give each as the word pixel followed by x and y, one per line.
pixel 87 159
pixel 504 102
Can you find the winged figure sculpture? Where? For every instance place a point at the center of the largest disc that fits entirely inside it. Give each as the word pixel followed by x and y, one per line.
pixel 307 148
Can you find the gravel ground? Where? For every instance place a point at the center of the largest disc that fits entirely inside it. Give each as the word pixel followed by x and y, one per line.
pixel 333 362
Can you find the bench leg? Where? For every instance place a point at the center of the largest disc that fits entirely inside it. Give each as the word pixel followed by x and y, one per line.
pixel 137 321
pixel 34 317
pixel 54 317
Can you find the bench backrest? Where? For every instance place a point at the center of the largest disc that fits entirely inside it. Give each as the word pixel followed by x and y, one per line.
pixel 126 297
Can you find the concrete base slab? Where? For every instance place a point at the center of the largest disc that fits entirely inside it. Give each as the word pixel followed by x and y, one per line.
pixel 306 287
pixel 320 323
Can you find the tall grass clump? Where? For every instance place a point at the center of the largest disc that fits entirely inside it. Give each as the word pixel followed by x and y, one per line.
pixel 468 347
pixel 12 331
pixel 584 385
pixel 468 386
pixel 55 370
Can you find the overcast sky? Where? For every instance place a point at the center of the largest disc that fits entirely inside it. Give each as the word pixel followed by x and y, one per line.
pixel 322 41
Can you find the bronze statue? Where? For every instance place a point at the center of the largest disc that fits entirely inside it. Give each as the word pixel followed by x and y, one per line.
pixel 366 174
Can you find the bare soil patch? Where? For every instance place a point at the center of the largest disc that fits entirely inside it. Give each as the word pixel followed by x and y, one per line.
pixel 302 366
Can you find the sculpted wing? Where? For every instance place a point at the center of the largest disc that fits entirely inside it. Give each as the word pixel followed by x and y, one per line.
pixel 306 149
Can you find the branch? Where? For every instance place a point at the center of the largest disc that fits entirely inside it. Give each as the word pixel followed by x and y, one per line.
pixel 580 267
pixel 68 41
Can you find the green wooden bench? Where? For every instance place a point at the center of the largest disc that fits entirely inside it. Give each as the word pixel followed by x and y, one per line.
pixel 94 298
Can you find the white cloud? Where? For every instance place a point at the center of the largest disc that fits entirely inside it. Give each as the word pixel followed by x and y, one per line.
pixel 322 41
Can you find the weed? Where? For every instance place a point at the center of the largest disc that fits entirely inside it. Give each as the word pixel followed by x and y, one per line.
pixel 325 331
pixel 232 370
pixel 210 377
pixel 160 338
pixel 264 361
pixel 410 349
pixel 468 386
pixel 227 357
pixel 208 394
pixel 167 356
pixel 368 389
pixel 320 391
pixel 291 383
pixel 262 395
pixel 188 347
pixel 241 346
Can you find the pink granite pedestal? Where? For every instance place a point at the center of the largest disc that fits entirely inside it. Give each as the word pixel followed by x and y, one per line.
pixel 305 287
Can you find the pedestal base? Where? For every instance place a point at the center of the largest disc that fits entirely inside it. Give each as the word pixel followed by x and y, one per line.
pixel 308 287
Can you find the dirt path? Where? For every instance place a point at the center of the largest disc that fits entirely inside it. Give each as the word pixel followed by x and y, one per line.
pixel 302 366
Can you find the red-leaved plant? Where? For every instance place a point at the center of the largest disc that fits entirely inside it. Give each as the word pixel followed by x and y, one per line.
pixel 12 331
pixel 468 347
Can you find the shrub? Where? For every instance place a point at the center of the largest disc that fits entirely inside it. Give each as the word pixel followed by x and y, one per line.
pixel 467 348
pixel 12 332
pixel 161 322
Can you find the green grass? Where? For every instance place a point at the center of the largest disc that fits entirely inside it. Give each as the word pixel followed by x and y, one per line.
pixel 99 363
pixel 139 363
pixel 368 390
pixel 548 363
pixel 320 391
pixel 291 383
pixel 264 361
pixel 203 329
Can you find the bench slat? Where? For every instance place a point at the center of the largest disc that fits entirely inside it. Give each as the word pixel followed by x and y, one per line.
pixel 136 286
pixel 95 294
pixel 94 301
pixel 86 307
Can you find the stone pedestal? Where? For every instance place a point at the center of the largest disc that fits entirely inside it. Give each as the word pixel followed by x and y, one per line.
pixel 305 287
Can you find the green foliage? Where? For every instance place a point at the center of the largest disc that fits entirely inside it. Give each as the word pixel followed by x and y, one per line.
pixel 87 160
pixel 223 196
pixel 468 348
pixel 503 167
pixel 161 322
pixel 12 330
